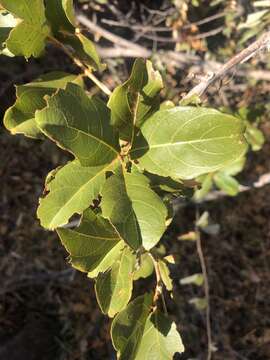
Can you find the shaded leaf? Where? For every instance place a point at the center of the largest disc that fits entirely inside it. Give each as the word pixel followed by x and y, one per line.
pixel 60 14
pixel 72 190
pixel 185 142
pixel 114 287
pixel 134 101
pixel 80 125
pixel 91 242
pixel 20 118
pixel 28 37
pixel 160 340
pixel 135 210
pixel 128 327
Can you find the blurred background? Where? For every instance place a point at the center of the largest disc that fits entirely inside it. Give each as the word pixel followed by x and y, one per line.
pixel 47 310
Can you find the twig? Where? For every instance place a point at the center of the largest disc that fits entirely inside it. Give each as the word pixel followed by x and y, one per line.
pixel 78 62
pixel 253 49
pixel 96 29
pixel 158 289
pixel 206 285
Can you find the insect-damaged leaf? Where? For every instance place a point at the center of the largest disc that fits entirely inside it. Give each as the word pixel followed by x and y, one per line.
pixel 80 125
pixel 28 37
pixel 134 101
pixel 114 287
pixel 20 118
pixel 136 211
pixel 128 327
pixel 185 142
pixel 91 242
pixel 72 190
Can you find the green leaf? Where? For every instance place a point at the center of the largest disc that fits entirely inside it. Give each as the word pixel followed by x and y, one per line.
pixel 196 279
pixel 7 23
pixel 226 183
pixel 254 137
pixel 206 186
pixel 28 37
pixel 185 142
pixel 135 210
pixel 80 125
pixel 160 340
pixel 60 14
pixel 134 101
pixel 236 167
pixel 165 275
pixel 128 327
pixel 91 242
pixel 20 118
pixel 72 190
pixel 114 287
pixel 145 269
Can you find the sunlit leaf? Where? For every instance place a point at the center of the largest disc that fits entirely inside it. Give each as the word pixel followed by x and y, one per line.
pixel 160 340
pixel 114 287
pixel 80 125
pixel 91 242
pixel 28 37
pixel 135 210
pixel 128 327
pixel 20 118
pixel 185 142
pixel 71 190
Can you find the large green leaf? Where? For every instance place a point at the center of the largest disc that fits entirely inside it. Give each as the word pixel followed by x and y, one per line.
pixel 160 340
pixel 185 142
pixel 91 242
pixel 72 190
pixel 128 327
pixel 136 211
pixel 134 101
pixel 80 125
pixel 20 118
pixel 114 287
pixel 28 37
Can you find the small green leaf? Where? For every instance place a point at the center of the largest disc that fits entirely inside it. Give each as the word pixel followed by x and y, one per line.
pixel 80 125
pixel 199 303
pixel 196 279
pixel 134 101
pixel 185 142
pixel 135 210
pixel 60 14
pixel 114 287
pixel 165 275
pixel 145 269
pixel 91 242
pixel 128 327
pixel 254 137
pixel 226 183
pixel 20 118
pixel 160 340
pixel 206 186
pixel 28 37
pixel 84 49
pixel 72 190
pixel 7 23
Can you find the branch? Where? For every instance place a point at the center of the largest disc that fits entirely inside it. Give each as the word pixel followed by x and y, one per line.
pixel 96 29
pixel 253 49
